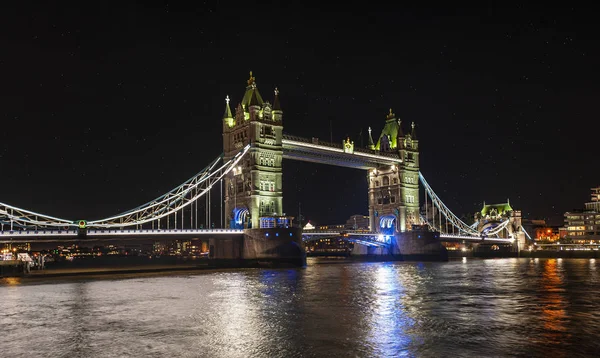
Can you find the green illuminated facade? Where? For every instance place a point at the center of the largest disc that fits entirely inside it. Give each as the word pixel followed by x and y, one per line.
pixel 254 188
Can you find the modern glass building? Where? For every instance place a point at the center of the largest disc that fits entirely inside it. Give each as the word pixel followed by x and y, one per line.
pixel 583 226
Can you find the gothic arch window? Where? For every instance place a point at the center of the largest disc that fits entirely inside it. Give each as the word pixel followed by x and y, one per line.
pixel 386 180
pixel 272 162
pixel 395 180
pixel 262 161
pixel 376 182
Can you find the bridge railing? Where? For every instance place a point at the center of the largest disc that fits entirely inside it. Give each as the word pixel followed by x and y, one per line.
pixel 312 141
pixel 118 231
pixel 37 232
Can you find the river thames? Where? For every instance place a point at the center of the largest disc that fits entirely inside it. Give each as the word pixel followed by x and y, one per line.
pixel 463 308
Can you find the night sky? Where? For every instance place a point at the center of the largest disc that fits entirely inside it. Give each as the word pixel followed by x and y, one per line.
pixel 104 107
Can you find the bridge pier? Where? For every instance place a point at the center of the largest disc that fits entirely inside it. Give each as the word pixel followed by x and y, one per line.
pixel 414 245
pixel 259 247
pixel 419 245
pixel 363 250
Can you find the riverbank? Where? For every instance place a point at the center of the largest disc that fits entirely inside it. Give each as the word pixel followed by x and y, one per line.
pixel 101 273
pixel 137 269
pixel 541 254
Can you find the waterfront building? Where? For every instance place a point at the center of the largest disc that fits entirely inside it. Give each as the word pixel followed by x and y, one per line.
pixel 330 246
pixel 583 225
pixel 309 226
pixel 335 246
pixel 540 231
pixel 332 227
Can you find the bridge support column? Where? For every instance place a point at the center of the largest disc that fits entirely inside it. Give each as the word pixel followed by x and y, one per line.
pixel 259 247
pixel 377 253
pixel 421 245
pixel 402 219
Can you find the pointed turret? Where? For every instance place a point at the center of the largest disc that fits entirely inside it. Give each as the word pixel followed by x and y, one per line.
pixel 413 133
pixel 227 113
pixel 227 116
pixel 276 105
pixel 251 92
pixel 371 144
pixel 277 112
pixel 400 131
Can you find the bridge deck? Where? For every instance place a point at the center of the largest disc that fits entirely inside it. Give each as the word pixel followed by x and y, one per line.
pixel 33 235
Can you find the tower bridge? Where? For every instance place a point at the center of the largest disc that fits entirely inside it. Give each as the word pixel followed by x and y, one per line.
pixel 248 175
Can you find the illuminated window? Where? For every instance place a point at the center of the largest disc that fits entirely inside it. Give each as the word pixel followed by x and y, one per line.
pixel 386 180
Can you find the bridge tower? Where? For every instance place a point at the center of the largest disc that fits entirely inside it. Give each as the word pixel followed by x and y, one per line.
pixel 394 190
pixel 254 188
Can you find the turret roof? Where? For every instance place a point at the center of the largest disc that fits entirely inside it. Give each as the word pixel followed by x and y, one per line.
pixel 227 113
pixel 413 133
pixel 371 144
pixel 252 96
pixel 500 208
pixel 276 104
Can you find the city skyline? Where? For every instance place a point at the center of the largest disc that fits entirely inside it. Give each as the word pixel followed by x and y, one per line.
pixel 104 109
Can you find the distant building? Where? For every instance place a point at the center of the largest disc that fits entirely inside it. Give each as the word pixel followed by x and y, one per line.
pixel 583 226
pixel 331 227
pixel 309 226
pixel 358 222
pixel 540 231
pixel 335 246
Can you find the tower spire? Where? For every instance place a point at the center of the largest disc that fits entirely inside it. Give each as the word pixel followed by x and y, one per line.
pixel 390 115
pixel 400 131
pixel 227 113
pixel 413 133
pixel 251 80
pixel 276 104
pixel 252 97
pixel 371 144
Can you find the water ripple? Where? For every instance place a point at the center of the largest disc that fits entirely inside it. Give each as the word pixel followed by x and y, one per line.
pixel 483 308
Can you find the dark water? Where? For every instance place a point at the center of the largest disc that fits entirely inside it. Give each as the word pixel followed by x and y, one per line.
pixel 473 308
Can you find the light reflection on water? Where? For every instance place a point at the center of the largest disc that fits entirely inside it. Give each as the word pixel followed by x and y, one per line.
pixel 471 308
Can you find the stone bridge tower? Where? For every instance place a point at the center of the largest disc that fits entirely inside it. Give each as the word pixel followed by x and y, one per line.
pixel 254 188
pixel 394 190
